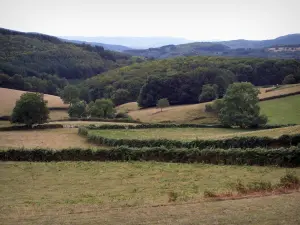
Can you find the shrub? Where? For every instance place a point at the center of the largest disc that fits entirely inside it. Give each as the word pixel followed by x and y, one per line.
pixel 289 79
pixel 209 194
pixel 289 180
pixel 258 156
pixel 172 196
pixel 209 93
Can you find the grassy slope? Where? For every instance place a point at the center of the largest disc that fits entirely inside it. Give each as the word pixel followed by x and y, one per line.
pixel 283 110
pixel 89 192
pixel 8 98
pixel 196 113
pixel 193 133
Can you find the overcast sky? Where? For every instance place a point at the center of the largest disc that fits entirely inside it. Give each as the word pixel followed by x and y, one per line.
pixel 191 19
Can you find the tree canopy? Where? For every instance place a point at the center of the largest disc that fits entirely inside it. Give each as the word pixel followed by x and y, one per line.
pixel 30 109
pixel 162 103
pixel 240 106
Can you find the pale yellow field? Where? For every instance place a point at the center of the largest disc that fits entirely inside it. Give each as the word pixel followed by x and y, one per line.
pixel 8 98
pixel 52 138
pixel 285 89
pixel 127 107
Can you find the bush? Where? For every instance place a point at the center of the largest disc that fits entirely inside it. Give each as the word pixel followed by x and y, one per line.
pixel 36 127
pixel 289 79
pixel 289 180
pixel 259 156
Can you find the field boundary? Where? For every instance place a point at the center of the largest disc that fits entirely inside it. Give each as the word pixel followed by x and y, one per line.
pixel 279 96
pixel 284 157
pixel 235 142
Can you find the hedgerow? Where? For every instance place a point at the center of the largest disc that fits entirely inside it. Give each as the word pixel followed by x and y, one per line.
pixel 236 142
pixel 35 127
pixel 287 157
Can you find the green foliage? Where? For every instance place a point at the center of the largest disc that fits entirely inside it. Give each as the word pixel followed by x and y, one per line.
pixel 77 109
pixel 256 156
pixel 30 109
pixel 102 108
pixel 240 107
pixel 31 54
pixel 162 103
pixel 121 96
pixel 70 94
pixel 289 79
pixel 208 93
pixel 236 142
pixel 289 180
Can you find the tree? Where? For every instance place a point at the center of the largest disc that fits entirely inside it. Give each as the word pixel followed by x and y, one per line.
pixel 240 106
pixel 289 79
pixel 209 93
pixel 162 103
pixel 30 109
pixel 121 96
pixel 103 108
pixel 70 94
pixel 77 109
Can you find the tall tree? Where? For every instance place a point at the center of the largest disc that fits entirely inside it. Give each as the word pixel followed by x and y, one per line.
pixel 240 106
pixel 70 94
pixel 163 103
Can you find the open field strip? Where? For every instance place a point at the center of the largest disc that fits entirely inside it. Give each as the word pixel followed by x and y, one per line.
pixel 192 133
pixel 282 90
pixel 51 138
pixel 82 192
pixel 85 123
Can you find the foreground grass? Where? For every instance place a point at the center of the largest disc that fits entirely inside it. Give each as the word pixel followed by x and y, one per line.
pixel 41 193
pixel 283 110
pixel 192 133
pixel 51 138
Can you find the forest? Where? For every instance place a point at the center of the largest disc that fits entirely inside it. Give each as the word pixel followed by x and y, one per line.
pixel 181 79
pixel 41 60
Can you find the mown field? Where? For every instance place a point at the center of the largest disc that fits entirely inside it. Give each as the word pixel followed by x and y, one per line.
pixel 103 193
pixel 193 133
pixel 282 110
pixel 51 138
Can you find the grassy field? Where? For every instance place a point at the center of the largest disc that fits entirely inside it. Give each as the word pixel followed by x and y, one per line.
pixel 282 110
pixel 192 113
pixel 85 123
pixel 192 133
pixel 52 138
pixel 100 193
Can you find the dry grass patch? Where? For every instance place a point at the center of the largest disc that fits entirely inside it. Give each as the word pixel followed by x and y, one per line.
pixel 52 138
pixel 8 98
pixel 89 192
pixel 180 114
pixel 282 90
pixel 127 107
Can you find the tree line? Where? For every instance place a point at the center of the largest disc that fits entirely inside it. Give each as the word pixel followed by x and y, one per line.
pixel 181 79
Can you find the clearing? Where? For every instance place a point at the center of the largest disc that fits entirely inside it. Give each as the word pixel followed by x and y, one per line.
pixel 50 138
pixel 192 133
pixel 124 193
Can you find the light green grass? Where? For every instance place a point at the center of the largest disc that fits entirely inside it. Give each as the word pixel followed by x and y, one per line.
pixel 35 192
pixel 167 133
pixel 282 110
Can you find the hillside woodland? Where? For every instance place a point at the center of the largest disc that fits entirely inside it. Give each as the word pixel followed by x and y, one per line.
pixel 180 80
pixel 37 62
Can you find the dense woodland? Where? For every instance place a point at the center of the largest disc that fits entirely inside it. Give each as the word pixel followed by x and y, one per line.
pixel 181 79
pixel 37 58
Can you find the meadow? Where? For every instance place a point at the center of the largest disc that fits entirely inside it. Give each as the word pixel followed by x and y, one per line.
pixel 103 192
pixel 193 133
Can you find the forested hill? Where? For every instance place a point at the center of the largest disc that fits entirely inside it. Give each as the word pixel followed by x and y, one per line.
pixel 235 48
pixel 181 79
pixel 32 54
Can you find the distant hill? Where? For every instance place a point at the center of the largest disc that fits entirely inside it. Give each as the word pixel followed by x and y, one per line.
pixel 132 42
pixel 290 39
pixel 32 54
pixel 118 48
pixel 235 48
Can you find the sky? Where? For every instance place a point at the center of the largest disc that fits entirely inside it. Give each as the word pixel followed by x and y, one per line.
pixel 190 19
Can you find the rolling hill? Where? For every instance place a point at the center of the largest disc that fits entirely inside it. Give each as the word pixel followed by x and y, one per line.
pixel 32 54
pixel 236 48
